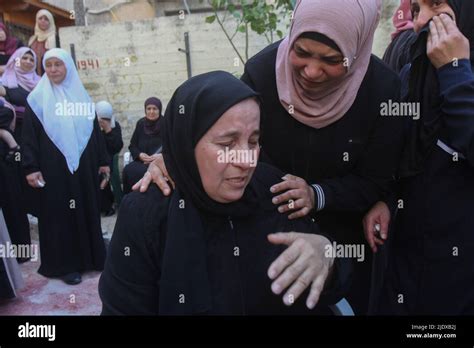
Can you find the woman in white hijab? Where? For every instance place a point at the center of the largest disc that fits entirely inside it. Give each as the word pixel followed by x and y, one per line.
pixel 44 37
pixel 112 134
pixel 64 153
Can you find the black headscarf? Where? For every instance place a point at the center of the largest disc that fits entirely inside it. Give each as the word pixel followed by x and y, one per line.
pixel 194 108
pixel 153 127
pixel 424 88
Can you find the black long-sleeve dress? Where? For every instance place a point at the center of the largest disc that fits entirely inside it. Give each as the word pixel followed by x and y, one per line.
pixel 12 191
pixel 140 142
pixel 69 219
pixel 353 160
pixel 113 143
pixel 130 283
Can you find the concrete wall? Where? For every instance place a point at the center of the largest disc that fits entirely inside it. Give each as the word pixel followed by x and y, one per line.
pixel 126 62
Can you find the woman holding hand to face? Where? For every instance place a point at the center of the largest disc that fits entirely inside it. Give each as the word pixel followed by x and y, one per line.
pixel 431 237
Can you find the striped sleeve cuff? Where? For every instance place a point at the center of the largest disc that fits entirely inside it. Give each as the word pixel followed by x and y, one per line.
pixel 321 201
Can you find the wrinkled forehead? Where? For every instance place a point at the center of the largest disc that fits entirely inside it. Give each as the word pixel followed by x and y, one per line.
pixel 47 59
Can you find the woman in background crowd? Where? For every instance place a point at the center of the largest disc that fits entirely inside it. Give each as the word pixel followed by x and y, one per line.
pixel 44 37
pixel 397 54
pixel 8 45
pixel 63 154
pixel 145 144
pixel 112 133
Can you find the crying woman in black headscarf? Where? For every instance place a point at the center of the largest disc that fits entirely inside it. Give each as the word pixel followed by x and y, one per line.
pixel 432 241
pixel 212 247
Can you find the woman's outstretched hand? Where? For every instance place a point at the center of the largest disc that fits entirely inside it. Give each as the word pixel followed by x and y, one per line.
pixel 304 263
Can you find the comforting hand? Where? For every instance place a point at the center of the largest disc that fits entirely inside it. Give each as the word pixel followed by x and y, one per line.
pixel 36 180
pixel 375 221
pixel 158 174
pixel 446 42
pixel 298 196
pixel 302 264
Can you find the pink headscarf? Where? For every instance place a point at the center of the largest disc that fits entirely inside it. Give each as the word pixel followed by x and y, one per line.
pixel 402 19
pixel 15 76
pixel 10 44
pixel 351 25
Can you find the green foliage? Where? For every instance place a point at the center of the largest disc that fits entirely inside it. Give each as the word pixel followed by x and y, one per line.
pixel 259 16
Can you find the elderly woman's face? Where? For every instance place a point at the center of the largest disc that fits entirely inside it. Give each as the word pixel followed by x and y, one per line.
pixel 424 10
pixel 43 23
pixel 3 35
pixel 236 133
pixel 55 70
pixel 315 63
pixel 152 112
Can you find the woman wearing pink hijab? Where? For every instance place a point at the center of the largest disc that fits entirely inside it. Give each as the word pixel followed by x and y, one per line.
pixel 19 79
pixel 397 54
pixel 322 91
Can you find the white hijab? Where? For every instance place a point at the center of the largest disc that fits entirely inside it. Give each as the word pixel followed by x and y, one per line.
pixel 66 111
pixel 104 110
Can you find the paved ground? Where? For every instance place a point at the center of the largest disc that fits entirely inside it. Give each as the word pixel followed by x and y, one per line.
pixel 45 296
